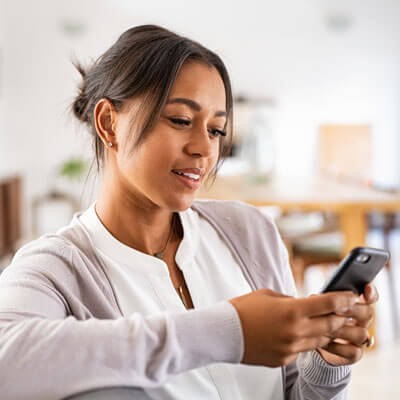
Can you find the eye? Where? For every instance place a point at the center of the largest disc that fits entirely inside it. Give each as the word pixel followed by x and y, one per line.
pixel 180 121
pixel 184 122
pixel 217 132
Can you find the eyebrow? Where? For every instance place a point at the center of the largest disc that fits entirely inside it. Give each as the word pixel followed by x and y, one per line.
pixel 195 106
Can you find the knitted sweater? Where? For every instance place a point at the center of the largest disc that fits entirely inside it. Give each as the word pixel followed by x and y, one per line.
pixel 62 330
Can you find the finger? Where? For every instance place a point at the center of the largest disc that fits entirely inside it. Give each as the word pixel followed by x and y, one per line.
pixel 353 334
pixel 350 352
pixel 361 313
pixel 307 344
pixel 325 325
pixel 334 302
pixel 353 322
pixel 370 294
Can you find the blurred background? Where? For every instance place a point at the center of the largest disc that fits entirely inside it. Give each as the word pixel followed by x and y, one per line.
pixel 317 128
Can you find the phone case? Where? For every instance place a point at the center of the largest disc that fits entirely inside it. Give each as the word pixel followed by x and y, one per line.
pixel 353 274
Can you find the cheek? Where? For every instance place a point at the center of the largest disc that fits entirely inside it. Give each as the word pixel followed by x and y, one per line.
pixel 152 159
pixel 215 154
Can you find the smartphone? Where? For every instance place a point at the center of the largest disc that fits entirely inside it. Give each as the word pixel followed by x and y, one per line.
pixel 357 269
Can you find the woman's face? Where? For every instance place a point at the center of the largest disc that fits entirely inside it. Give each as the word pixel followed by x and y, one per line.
pixel 176 156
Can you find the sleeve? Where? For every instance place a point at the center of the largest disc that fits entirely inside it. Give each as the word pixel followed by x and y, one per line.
pixel 47 353
pixel 310 376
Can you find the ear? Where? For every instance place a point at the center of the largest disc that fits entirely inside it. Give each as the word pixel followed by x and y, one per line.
pixel 105 121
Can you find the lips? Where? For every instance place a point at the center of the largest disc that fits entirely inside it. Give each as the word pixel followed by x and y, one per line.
pixel 190 177
pixel 196 171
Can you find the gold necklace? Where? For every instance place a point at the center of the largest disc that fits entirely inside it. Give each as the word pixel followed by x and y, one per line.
pixel 160 255
pixel 182 296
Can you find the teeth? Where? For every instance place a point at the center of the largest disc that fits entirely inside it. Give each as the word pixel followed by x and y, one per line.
pixel 193 176
pixel 189 175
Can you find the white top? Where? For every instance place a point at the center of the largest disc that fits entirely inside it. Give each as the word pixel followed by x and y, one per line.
pixel 143 284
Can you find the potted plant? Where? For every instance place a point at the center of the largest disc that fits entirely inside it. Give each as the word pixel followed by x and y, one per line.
pixel 63 197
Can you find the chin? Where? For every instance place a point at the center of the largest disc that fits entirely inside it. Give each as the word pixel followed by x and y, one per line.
pixel 180 204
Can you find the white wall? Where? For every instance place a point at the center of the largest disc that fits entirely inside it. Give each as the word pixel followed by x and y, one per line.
pixel 282 49
pixel 40 83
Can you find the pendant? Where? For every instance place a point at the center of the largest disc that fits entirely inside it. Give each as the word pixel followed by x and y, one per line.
pixel 182 296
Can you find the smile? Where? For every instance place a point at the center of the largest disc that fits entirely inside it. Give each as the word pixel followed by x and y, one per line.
pixel 189 175
pixel 191 181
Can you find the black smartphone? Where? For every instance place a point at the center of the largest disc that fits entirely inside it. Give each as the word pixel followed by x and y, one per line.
pixel 357 269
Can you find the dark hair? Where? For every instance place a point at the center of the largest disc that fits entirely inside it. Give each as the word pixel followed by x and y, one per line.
pixel 144 62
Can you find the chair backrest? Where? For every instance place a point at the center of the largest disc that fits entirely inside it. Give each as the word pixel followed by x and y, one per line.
pixel 10 213
pixel 3 240
pixel 345 152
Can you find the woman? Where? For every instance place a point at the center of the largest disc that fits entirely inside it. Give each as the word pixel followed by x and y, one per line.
pixel 149 288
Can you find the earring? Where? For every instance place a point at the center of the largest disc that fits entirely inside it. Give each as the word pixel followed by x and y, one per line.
pixel 110 144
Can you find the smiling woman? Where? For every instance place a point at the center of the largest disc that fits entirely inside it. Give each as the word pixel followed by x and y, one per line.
pixel 186 138
pixel 150 288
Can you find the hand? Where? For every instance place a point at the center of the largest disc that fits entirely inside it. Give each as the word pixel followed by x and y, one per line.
pixel 276 327
pixel 346 344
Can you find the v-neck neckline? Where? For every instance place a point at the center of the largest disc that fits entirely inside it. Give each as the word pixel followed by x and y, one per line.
pixel 124 254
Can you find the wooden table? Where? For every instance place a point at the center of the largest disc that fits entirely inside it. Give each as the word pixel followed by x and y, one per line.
pixel 351 203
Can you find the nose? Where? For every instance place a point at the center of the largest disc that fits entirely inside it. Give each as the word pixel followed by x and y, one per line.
pixel 200 143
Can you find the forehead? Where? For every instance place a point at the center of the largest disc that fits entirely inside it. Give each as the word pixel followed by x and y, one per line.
pixel 201 83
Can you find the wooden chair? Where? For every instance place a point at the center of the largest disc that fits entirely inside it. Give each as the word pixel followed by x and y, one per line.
pixel 10 214
pixel 3 239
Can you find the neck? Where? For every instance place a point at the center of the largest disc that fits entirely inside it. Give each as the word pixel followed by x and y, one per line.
pixel 143 228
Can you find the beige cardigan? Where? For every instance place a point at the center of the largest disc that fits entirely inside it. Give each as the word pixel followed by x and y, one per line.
pixel 62 329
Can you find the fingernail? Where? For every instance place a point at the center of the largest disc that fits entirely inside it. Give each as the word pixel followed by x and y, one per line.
pixel 352 301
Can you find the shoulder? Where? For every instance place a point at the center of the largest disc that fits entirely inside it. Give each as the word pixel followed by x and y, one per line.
pixel 60 245
pixel 40 269
pixel 226 207
pixel 46 254
pixel 235 212
pixel 55 256
pixel 245 225
pixel 47 244
pixel 223 204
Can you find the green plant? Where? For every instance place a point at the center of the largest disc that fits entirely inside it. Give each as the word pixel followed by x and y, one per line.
pixel 73 168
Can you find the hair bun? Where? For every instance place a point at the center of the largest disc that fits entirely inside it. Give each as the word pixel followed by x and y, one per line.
pixel 80 104
pixel 79 107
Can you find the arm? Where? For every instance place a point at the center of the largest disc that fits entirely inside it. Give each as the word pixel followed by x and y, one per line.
pixel 46 353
